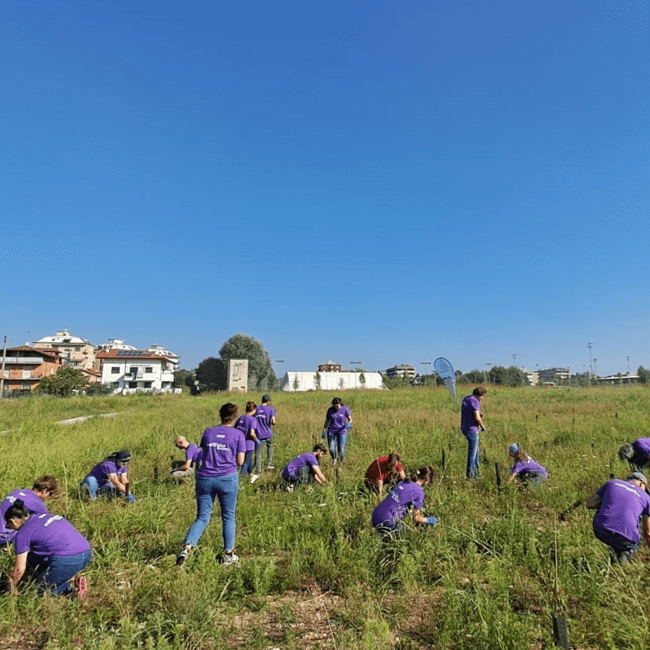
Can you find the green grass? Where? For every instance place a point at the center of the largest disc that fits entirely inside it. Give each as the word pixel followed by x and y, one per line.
pixel 313 574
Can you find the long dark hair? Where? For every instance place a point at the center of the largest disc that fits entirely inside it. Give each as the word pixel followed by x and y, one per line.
pixel 425 473
pixel 393 459
pixel 16 510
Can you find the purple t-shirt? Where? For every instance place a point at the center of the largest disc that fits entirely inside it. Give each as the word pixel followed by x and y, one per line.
pixel 263 415
pixel 622 506
pixel 49 535
pixel 193 453
pixel 337 419
pixel 220 446
pixel 245 423
pixel 529 466
pixel 469 404
pixel 32 503
pixel 396 504
pixel 293 467
pixel 641 451
pixel 102 470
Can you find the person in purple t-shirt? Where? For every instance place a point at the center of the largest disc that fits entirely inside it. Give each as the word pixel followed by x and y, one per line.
pixel 247 424
pixel 184 468
pixel 387 517
pixel 57 551
pixel 110 477
pixel 305 469
pixel 338 422
pixel 43 488
pixel 471 421
pixel 266 418
pixel 223 449
pixel 525 470
pixel 636 453
pixel 620 504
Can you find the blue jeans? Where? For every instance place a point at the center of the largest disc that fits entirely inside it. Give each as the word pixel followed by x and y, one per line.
pixel 246 468
pixel 268 443
pixel 337 443
pixel 91 486
pixel 473 469
pixel 224 488
pixel 622 547
pixel 304 476
pixel 55 573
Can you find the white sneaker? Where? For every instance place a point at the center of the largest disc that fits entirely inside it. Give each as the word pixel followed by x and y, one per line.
pixel 289 488
pixel 229 558
pixel 254 478
pixel 270 467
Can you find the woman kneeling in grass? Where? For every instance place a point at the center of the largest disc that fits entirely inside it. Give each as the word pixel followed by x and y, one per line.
pixel 224 449
pixel 388 516
pixel 57 551
pixel 525 470
pixel 383 470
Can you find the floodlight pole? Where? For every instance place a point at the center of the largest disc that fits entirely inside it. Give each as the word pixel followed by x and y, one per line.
pixel 2 372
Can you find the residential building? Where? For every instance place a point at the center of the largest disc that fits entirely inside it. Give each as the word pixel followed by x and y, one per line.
pixel 550 374
pixel 330 366
pixel 74 352
pixel 403 370
pixel 130 371
pixel 304 381
pixel 25 366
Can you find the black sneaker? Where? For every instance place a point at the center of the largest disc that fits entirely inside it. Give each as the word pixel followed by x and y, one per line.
pixel 182 556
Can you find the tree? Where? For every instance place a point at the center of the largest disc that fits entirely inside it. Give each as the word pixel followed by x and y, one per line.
pixel 318 380
pixel 260 370
pixel 211 375
pixel 644 375
pixel 181 378
pixel 362 379
pixel 296 383
pixel 63 383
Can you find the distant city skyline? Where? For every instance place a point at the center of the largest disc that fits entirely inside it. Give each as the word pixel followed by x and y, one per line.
pixel 381 183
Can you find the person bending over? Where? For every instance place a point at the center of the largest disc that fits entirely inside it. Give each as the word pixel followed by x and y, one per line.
pixel 383 470
pixel 110 477
pixel 620 504
pixel 525 470
pixel 43 488
pixel 637 454
pixel 305 469
pixel 57 551
pixel 184 468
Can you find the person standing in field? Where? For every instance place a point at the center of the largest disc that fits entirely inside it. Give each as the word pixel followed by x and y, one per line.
pixel 338 422
pixel 247 424
pixel 305 469
pixel 57 551
pixel 180 468
pixel 223 448
pixel 525 470
pixel 387 517
pixel 44 487
pixel 265 415
pixel 383 470
pixel 110 477
pixel 637 454
pixel 471 422
pixel 620 504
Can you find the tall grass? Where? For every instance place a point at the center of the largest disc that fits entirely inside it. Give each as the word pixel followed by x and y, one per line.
pixel 313 574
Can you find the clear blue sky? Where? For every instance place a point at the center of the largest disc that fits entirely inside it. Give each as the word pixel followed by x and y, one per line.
pixel 384 181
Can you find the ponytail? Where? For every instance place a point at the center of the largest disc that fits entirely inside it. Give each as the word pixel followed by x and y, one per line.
pixel 425 473
pixel 16 510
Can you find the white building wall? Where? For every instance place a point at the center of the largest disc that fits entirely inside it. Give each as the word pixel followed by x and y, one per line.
pixel 330 381
pixel 161 378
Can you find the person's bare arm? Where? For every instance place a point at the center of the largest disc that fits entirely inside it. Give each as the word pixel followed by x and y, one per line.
pixel 645 529
pixel 593 502
pixel 117 483
pixel 318 475
pixel 402 475
pixel 124 478
pixel 253 434
pixel 20 565
pixel 240 458
pixel 380 488
pixel 418 518
pixel 512 477
pixel 478 418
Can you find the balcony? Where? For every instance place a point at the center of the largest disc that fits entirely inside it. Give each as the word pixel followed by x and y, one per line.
pixel 36 361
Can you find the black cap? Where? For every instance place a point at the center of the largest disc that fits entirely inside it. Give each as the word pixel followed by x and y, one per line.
pixel 123 456
pixel 266 398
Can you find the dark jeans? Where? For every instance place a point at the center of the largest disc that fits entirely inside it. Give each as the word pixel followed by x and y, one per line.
pixel 54 574
pixel 248 463
pixel 303 477
pixel 621 547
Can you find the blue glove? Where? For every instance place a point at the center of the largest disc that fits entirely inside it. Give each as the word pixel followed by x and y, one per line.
pixel 130 498
pixel 348 425
pixel 432 521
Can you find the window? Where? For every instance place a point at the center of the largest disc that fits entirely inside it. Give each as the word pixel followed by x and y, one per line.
pixel 115 370
pixel 134 370
pixel 147 384
pixel 148 369
pixel 24 385
pixel 133 384
pixel 27 374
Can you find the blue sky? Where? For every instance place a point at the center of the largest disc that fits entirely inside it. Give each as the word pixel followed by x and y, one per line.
pixel 382 182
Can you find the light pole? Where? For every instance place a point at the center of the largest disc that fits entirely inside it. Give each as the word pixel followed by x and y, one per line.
pixel 487 374
pixel 514 359
pixel 591 365
pixel 628 366
pixel 595 371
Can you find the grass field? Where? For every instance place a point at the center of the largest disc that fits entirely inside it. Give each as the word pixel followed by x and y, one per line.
pixel 313 575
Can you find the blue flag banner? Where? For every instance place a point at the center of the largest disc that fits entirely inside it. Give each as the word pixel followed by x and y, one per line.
pixel 446 372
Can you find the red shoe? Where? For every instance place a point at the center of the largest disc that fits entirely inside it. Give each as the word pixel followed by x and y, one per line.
pixel 81 585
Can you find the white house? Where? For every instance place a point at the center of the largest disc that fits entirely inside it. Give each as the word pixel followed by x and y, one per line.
pixel 131 371
pixel 303 381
